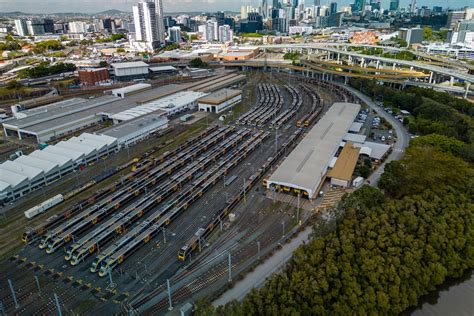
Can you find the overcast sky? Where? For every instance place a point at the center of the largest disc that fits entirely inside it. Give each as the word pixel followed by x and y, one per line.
pixel 90 6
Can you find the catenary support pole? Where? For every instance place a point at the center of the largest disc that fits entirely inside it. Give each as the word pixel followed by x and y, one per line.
pixel 10 284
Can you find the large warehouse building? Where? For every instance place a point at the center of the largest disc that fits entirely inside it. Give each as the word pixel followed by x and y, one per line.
pixel 42 167
pixel 305 168
pixel 220 101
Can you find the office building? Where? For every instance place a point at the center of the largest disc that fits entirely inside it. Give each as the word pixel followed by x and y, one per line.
pixel 21 27
pixel 394 5
pixel 146 27
pixel 35 27
pixel 77 27
pixel 333 8
pixel 159 20
pixel 454 17
pixel 225 34
pixel 412 35
pixel 412 7
pixel 359 6
pixel 209 31
pixel 175 34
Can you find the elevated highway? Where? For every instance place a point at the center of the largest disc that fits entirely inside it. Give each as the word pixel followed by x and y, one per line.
pixel 336 54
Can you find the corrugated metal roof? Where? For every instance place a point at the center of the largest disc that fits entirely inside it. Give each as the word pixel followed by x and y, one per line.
pixel 346 163
pixel 32 161
pixel 307 164
pixel 27 171
pixel 131 64
pixel 44 155
pixel 12 178
pixel 73 154
pixel 355 138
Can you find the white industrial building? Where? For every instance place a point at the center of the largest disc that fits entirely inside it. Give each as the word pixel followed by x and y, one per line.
pixel 169 105
pixel 220 101
pixel 130 70
pixel 306 166
pixel 41 167
pixel 135 130
pixel 129 90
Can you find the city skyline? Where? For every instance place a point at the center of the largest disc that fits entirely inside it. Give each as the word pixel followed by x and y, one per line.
pixel 92 6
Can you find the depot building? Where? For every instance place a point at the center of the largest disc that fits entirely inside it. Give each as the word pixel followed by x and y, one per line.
pixel 220 101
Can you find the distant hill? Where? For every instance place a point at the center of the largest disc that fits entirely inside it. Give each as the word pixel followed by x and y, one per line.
pixel 113 11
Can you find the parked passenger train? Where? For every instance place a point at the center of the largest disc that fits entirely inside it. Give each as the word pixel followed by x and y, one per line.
pixel 41 208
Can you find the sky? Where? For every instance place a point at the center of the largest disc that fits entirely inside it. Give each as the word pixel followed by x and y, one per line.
pixel 91 6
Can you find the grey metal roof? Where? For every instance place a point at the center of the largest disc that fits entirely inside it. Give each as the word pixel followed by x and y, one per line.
pixel 307 164
pixel 128 127
pixel 131 64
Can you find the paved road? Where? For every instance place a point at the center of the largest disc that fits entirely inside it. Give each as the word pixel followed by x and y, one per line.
pixel 258 277
pixel 403 137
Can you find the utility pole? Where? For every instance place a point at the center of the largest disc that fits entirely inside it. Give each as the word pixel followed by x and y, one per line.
pixel 230 268
pixel 298 211
pixel 169 294
pixel 13 294
pixel 283 224
pixel 258 250
pixel 164 235
pixel 38 284
pixel 56 299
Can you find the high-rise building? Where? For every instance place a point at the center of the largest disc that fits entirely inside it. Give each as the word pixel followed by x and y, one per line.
pixel 412 7
pixel 411 35
pixel 454 17
pixel 263 8
pixel 77 27
pixel 48 26
pixel 146 26
pixel 159 20
pixel 317 3
pixel 375 5
pixel 209 31
pixel 225 34
pixel 21 27
pixel 333 8
pixel 358 6
pixel 35 26
pixel 394 5
pixel 175 34
pixel 243 12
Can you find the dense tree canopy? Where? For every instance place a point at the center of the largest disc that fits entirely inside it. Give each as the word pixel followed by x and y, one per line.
pixel 44 69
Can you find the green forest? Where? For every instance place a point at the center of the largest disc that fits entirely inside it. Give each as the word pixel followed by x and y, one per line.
pixel 390 245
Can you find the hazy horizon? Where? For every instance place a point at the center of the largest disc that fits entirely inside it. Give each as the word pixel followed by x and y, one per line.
pixel 93 6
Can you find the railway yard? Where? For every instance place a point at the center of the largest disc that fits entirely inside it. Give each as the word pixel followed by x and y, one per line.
pixel 168 231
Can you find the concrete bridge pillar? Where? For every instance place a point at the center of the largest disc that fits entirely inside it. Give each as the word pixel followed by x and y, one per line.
pixel 394 66
pixel 451 81
pixel 431 77
pixel 345 80
pixel 468 85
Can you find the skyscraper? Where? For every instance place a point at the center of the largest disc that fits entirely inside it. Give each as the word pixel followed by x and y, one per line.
pixel 317 3
pixel 358 6
pixel 159 20
pixel 333 9
pixel 394 5
pixel 225 34
pixel 264 8
pixel 21 27
pixel 413 7
pixel 175 34
pixel 146 27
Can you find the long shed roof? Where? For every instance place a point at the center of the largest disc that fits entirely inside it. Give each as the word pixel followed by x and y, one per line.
pixel 307 164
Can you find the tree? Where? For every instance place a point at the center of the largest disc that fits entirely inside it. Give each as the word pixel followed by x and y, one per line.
pixel 120 50
pixel 14 85
pixel 443 143
pixel 103 63
pixel 197 63
pixel 427 33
